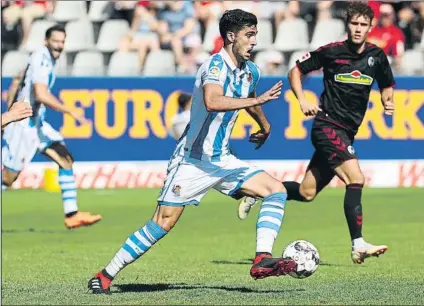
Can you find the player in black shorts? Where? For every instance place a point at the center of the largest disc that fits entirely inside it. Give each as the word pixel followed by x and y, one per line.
pixel 350 68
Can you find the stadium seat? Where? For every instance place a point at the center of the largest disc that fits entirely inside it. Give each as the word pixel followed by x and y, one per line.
pixel 159 63
pixel 96 12
pixel 294 57
pixel 69 10
pixel 88 63
pixel 14 62
pixel 413 62
pixel 292 35
pixel 110 34
pixel 211 33
pixel 124 64
pixel 264 35
pixel 327 31
pixel 37 35
pixel 79 36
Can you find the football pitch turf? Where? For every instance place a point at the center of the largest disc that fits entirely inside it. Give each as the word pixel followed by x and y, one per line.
pixel 207 257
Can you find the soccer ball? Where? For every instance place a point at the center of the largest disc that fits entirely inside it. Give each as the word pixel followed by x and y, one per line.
pixel 305 254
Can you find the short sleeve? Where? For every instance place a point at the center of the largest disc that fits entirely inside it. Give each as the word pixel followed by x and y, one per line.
pixel 384 74
pixel 311 61
pixel 40 69
pixel 215 72
pixel 189 10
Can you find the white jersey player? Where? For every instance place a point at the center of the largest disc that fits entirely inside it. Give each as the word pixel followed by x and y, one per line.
pixel 224 84
pixel 23 139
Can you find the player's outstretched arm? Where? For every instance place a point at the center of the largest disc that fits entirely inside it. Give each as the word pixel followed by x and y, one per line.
pixel 295 79
pixel 215 101
pixel 19 110
pixel 43 96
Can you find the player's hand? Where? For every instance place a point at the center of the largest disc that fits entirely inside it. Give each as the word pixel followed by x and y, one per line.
pixel 259 138
pixel 389 108
pixel 309 109
pixel 80 118
pixel 271 94
pixel 19 110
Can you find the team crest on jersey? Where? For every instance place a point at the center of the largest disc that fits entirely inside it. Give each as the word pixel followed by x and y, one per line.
pixel 354 77
pixel 249 77
pixel 351 150
pixel 176 190
pixel 370 61
pixel 305 57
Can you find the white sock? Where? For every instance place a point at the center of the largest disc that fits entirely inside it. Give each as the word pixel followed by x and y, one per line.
pixel 135 246
pixel 69 190
pixel 358 243
pixel 269 222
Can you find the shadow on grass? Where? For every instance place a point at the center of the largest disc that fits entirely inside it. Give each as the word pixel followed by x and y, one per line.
pixel 250 261
pixel 125 288
pixel 30 230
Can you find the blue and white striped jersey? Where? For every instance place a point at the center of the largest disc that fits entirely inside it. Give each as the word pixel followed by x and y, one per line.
pixel 40 69
pixel 207 137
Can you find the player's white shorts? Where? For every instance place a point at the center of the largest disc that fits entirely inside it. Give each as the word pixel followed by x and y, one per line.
pixel 22 142
pixel 190 179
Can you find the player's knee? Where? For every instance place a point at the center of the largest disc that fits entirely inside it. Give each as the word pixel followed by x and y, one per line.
pixel 357 179
pixel 8 177
pixel 308 194
pixel 274 187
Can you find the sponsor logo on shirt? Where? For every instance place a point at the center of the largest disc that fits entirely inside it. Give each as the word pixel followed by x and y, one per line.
pixel 354 77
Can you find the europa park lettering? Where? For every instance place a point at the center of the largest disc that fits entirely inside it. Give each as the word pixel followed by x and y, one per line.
pixel 146 113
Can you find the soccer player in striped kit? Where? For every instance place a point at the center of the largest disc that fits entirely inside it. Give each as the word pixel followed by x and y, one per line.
pixel 224 84
pixel 24 138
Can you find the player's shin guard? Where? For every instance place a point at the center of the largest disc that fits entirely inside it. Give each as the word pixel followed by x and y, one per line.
pixel 353 209
pixel 293 191
pixel 135 246
pixel 69 191
pixel 269 221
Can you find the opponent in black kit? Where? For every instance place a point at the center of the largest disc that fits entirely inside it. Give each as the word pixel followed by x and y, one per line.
pixel 350 68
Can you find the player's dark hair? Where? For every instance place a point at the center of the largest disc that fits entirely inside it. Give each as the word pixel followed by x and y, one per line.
pixel 358 8
pixel 55 28
pixel 183 99
pixel 234 21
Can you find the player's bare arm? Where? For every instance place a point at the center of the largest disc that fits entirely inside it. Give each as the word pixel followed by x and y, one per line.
pixel 215 101
pixel 13 89
pixel 295 78
pixel 43 96
pixel 387 100
pixel 18 111
pixel 257 113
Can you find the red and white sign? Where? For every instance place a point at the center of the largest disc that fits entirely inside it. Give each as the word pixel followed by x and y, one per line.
pixel 151 174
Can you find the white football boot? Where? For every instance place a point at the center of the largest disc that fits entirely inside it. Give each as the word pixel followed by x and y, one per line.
pixel 245 206
pixel 364 250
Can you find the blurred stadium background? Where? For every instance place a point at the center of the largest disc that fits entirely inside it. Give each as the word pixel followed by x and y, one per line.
pixel 127 78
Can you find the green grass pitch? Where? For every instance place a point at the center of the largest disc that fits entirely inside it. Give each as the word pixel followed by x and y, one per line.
pixel 207 257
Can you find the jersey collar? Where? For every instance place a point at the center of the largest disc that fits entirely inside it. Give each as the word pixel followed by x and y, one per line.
pixel 230 63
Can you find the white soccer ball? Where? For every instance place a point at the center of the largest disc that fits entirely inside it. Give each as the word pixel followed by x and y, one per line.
pixel 306 255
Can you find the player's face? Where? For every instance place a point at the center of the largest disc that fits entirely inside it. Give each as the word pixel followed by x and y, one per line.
pixel 55 43
pixel 245 42
pixel 358 29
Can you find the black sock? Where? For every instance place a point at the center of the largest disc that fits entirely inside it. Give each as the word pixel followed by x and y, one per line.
pixel 353 209
pixel 71 214
pixel 260 253
pixel 293 192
